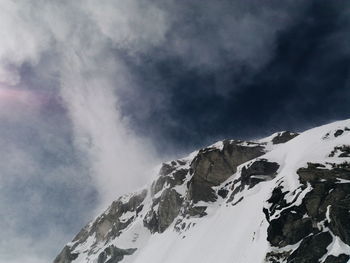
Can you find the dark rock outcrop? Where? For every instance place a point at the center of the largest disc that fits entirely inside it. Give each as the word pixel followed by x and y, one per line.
pixel 283 137
pixel 289 228
pixel 113 254
pixel 341 151
pixel 66 256
pixel 171 177
pixel 168 207
pixel 258 171
pixel 318 173
pixel 342 258
pixel 336 133
pixel 107 226
pixel 213 166
pixel 325 208
pixel 311 249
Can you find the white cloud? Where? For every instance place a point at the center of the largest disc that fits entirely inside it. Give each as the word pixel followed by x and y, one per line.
pixel 80 36
pixel 68 44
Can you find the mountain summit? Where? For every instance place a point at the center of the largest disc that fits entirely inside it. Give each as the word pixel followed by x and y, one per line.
pixel 285 198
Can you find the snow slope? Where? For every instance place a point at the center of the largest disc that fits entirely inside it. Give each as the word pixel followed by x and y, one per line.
pixel 264 200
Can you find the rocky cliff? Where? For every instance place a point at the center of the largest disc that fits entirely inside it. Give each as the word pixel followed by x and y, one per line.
pixel 285 198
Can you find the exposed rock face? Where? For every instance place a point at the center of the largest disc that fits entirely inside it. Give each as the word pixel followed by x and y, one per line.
pixel 257 171
pixel 341 151
pixel 336 133
pixel 212 167
pixel 325 210
pixel 169 175
pixel 66 256
pixel 112 254
pixel 107 226
pixel 283 137
pixel 168 208
pixel 342 258
pixel 311 249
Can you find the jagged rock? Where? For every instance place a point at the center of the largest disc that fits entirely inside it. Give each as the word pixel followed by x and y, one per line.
pixel 277 257
pixel 338 133
pixel 189 210
pixel 316 173
pixel 276 200
pixel 328 194
pixel 326 204
pixel 151 221
pixel 258 171
pixel 223 193
pixel 109 225
pixel 314 199
pixel 311 249
pixel 113 254
pixel 197 211
pixel 201 190
pixel 342 258
pixel 66 256
pixel 167 168
pixel 172 179
pixel 289 228
pixel 213 166
pixel 339 216
pixel 283 137
pixel 341 151
pixel 169 206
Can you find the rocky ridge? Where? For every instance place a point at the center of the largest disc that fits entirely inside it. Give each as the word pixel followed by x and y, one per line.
pixel 292 203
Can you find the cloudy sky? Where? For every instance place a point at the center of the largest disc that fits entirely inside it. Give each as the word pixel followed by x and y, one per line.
pixel 94 94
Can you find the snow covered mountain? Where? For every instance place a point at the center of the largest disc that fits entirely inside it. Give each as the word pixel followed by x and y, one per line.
pixel 285 198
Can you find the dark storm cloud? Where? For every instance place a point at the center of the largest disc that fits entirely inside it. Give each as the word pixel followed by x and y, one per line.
pixel 89 87
pixel 253 70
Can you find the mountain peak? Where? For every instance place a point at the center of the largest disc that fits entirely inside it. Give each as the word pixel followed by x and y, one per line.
pixel 285 197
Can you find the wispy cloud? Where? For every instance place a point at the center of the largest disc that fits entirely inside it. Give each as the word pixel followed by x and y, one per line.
pixel 54 156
